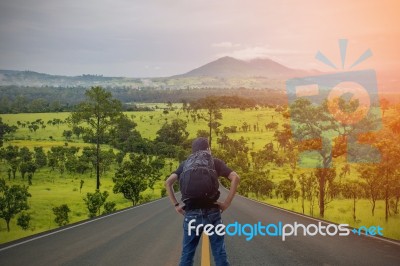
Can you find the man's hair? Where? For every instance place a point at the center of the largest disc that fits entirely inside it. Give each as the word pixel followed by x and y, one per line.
pixel 200 144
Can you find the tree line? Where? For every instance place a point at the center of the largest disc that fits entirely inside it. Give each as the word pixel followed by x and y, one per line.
pixel 20 99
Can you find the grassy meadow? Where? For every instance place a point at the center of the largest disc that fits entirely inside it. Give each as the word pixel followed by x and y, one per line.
pixel 49 189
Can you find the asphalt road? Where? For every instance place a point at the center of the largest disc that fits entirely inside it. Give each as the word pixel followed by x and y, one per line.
pixel 151 234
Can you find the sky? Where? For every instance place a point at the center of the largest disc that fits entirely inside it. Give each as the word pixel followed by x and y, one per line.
pixel 153 38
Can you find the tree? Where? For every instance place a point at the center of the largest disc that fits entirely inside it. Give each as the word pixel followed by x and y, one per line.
pixel 264 156
pixel 13 200
pixel 25 154
pixel 24 220
pixel 11 154
pixel 5 129
pixel 77 131
pixel 388 168
pixel 61 213
pixel 27 167
pixel 257 182
pixel 123 135
pixel 97 113
pixel 173 133
pixel 33 127
pixel 395 202
pixel 136 175
pixel 283 137
pixel 302 181
pixel 57 158
pixel 94 201
pixel 308 189
pixel 319 124
pixel 67 134
pixel 325 180
pixel 212 113
pixel 373 184
pixel 261 184
pixel 233 152
pixel 106 159
pixel 353 190
pixel 40 157
pixel 286 188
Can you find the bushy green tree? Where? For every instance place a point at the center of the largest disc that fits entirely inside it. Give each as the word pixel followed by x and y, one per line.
pixel 13 200
pixel 40 157
pixel 123 135
pixel 77 131
pixel 62 158
pixel 24 220
pixel 4 130
pixel 25 154
pixel 173 133
pixel 11 155
pixel 27 167
pixel 286 188
pixel 61 213
pixel 67 134
pixel 94 202
pixel 136 175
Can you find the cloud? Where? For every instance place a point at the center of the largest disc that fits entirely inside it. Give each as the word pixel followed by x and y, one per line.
pixel 256 52
pixel 225 45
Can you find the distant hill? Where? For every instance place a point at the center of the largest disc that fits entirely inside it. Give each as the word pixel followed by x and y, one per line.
pixel 31 78
pixel 226 72
pixel 228 67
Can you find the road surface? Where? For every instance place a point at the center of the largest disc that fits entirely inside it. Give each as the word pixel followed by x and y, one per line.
pixel 151 234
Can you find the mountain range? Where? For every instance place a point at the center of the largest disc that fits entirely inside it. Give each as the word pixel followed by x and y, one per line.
pixel 225 72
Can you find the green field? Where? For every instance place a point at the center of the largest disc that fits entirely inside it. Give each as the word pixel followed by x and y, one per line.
pixel 49 189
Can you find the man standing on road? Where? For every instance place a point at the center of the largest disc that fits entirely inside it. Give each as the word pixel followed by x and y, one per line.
pixel 198 180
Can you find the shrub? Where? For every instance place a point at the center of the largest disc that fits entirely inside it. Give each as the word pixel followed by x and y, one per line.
pixel 24 220
pixel 94 201
pixel 109 207
pixel 61 213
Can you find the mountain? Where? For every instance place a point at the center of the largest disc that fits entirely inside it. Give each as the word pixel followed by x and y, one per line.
pixel 229 67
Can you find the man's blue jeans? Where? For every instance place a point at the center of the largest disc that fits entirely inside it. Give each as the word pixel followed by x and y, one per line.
pixel 202 216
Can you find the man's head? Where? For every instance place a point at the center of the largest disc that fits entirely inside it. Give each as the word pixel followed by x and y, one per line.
pixel 200 144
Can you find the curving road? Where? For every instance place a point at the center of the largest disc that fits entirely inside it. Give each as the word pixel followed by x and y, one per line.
pixel 151 234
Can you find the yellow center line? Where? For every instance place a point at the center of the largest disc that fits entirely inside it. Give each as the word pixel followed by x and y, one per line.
pixel 205 250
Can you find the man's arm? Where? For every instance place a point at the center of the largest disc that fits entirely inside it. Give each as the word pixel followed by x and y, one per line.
pixel 234 178
pixel 169 185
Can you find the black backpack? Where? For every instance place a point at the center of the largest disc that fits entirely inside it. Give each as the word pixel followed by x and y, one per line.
pixel 199 180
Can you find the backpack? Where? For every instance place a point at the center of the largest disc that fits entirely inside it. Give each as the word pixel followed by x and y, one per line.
pixel 199 180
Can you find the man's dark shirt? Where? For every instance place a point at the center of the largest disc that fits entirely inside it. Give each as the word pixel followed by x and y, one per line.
pixel 220 168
